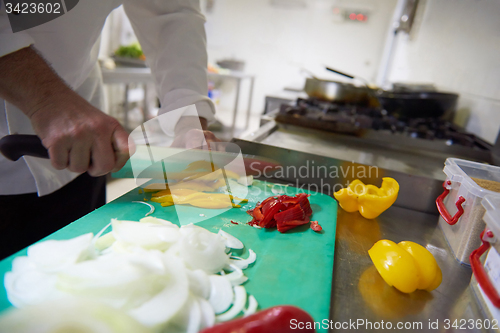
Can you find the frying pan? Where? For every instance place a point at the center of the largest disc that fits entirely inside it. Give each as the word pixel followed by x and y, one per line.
pixel 406 104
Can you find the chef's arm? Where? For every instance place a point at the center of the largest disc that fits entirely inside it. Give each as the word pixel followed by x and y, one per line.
pixel 172 35
pixel 77 135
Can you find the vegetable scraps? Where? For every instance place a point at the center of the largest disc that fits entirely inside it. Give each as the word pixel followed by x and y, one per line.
pixel 369 200
pixel 161 275
pixel 407 266
pixel 283 212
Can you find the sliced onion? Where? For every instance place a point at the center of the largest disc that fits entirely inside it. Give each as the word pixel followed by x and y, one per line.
pixel 236 277
pixel 151 207
pixel 231 241
pixel 69 315
pixel 146 235
pixel 207 313
pixel 201 249
pixel 252 306
pixel 104 242
pixel 162 307
pixel 155 220
pixel 243 263
pixel 194 322
pixel 199 283
pixel 55 255
pixel 30 287
pixel 240 299
pixel 221 293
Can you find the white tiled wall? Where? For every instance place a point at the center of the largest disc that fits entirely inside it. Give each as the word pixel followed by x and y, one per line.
pixel 456 45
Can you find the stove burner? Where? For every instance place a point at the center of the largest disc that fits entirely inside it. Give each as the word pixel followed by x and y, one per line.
pixel 355 119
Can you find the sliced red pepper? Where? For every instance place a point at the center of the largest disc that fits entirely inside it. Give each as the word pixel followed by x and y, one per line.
pixel 293 213
pixel 278 319
pixel 315 226
pixel 284 212
pixel 273 207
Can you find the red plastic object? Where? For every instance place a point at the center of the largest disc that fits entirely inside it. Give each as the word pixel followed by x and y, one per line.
pixel 481 275
pixel 442 209
pixel 278 319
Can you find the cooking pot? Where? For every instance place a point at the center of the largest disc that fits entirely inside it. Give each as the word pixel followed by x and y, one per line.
pixel 405 105
pixel 339 92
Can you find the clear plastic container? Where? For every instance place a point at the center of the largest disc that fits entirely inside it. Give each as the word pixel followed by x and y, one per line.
pixel 460 204
pixel 485 281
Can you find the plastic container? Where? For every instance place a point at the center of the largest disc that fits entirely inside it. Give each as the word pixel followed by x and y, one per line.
pixel 485 281
pixel 460 204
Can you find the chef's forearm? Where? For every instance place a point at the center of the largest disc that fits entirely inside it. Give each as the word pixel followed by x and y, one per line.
pixel 28 82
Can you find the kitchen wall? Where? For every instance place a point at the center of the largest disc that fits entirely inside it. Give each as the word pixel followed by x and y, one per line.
pixel 455 44
pixel 276 38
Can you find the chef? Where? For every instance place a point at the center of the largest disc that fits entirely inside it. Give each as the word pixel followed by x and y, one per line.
pixel 51 86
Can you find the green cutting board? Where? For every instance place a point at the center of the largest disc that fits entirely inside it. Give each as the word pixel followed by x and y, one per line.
pixel 293 268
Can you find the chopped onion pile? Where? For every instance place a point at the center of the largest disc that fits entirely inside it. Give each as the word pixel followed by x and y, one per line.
pixel 164 277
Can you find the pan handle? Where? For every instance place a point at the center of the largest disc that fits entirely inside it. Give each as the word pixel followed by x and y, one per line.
pixel 340 73
pixel 15 146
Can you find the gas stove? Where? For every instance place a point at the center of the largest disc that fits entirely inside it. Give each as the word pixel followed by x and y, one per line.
pixel 362 120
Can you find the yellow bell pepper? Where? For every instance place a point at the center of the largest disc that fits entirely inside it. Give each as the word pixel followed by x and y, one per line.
pixel 369 200
pixel 406 266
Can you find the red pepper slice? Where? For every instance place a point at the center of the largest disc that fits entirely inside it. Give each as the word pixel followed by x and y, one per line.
pixel 273 207
pixel 293 213
pixel 315 226
pixel 278 319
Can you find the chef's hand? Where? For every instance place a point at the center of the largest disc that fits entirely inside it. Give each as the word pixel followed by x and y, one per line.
pixel 190 132
pixel 78 136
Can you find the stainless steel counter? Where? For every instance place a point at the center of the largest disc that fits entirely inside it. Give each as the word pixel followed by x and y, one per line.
pixel 358 291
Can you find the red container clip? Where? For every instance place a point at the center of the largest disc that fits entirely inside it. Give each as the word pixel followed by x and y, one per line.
pixel 442 208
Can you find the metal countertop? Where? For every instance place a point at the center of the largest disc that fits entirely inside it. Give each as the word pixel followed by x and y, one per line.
pixel 358 291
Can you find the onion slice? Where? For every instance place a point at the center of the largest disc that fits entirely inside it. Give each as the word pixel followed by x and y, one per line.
pixel 221 293
pixel 252 306
pixel 151 207
pixel 231 241
pixel 236 277
pixel 240 299
pixel 243 263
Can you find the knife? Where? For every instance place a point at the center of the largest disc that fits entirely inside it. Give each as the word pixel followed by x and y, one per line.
pixel 148 161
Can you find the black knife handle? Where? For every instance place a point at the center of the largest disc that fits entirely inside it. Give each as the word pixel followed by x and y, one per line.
pixel 15 146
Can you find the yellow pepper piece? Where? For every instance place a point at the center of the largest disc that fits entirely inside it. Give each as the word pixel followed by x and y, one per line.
pixel 407 266
pixel 348 197
pixel 396 266
pixel 369 200
pixel 430 273
pixel 197 199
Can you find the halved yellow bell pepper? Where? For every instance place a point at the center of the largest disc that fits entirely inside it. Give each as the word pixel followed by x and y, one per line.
pixel 406 266
pixel 369 200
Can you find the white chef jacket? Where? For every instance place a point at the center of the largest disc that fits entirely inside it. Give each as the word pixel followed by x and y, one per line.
pixel 172 35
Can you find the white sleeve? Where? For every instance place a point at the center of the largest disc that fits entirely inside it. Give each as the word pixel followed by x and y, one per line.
pixel 172 35
pixel 9 41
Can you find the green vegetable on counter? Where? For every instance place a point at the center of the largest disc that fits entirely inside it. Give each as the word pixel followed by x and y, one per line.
pixel 130 51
